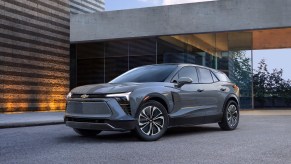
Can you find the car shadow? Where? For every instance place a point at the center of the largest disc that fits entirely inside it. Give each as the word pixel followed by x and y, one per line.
pixel 117 137
pixel 109 137
pixel 190 130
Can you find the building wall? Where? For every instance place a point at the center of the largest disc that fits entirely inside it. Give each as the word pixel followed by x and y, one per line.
pixel 86 6
pixel 34 54
pixel 206 17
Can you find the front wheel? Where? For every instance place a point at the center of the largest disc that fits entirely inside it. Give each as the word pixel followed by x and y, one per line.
pixel 152 121
pixel 87 133
pixel 230 117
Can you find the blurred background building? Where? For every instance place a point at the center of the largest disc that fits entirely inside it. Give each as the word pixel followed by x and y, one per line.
pixel 35 52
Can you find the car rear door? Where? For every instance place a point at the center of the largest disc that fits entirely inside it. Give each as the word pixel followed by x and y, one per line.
pixel 208 92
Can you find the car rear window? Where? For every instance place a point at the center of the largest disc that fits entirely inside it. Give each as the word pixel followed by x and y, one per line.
pixel 222 77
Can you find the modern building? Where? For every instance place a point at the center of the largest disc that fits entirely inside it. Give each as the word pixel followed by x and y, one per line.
pixel 86 6
pixel 38 65
pixel 34 52
pixel 223 34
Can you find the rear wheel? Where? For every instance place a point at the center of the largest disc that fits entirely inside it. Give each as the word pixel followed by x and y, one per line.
pixel 152 121
pixel 230 118
pixel 87 133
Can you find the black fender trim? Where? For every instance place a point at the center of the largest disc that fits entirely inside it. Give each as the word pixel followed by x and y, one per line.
pixel 231 96
pixel 156 95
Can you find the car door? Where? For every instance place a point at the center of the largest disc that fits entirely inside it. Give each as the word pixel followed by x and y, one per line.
pixel 209 93
pixel 187 100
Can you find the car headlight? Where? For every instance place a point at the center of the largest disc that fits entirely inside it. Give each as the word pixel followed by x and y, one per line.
pixel 69 95
pixel 120 95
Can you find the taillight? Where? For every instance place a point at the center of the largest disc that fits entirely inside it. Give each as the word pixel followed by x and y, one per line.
pixel 235 87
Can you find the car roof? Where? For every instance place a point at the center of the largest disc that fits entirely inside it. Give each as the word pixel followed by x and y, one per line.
pixel 185 64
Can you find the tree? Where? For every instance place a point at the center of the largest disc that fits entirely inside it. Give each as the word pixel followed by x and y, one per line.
pixel 267 85
pixel 242 72
pixel 275 84
pixel 270 85
pixel 260 79
pixel 285 92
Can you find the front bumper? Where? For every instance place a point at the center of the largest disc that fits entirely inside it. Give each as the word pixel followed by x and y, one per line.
pixel 98 114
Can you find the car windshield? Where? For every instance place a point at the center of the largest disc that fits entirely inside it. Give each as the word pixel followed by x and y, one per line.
pixel 154 73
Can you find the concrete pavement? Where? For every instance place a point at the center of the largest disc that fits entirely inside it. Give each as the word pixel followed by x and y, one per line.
pixel 257 140
pixel 50 118
pixel 265 112
pixel 30 119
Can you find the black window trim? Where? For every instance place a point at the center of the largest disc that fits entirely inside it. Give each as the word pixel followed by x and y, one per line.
pixel 198 78
pixel 213 74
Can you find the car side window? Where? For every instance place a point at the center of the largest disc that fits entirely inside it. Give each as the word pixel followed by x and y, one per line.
pixel 205 76
pixel 215 79
pixel 188 71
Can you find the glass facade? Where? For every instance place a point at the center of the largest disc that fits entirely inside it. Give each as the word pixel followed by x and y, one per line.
pixel 230 52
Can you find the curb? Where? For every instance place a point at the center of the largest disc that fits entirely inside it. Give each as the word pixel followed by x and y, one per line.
pixel 29 124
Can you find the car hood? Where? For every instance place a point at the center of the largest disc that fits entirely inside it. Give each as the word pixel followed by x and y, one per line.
pixel 105 88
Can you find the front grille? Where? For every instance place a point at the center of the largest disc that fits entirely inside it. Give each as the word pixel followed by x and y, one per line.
pixel 121 100
pixel 89 95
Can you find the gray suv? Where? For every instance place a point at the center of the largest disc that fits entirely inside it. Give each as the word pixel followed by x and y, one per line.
pixel 150 99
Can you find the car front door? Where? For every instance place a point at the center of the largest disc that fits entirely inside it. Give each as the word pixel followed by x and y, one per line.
pixel 188 108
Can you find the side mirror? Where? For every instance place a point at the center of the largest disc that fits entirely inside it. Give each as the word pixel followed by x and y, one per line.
pixel 183 80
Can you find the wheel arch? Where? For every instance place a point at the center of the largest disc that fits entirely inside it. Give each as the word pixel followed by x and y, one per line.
pixel 160 100
pixel 156 97
pixel 229 98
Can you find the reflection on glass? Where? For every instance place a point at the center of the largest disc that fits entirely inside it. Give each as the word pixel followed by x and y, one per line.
pixel 229 52
pixel 114 66
pixel 195 49
pixel 116 59
pixel 142 52
pixel 233 51
pixel 240 72
pixel 90 63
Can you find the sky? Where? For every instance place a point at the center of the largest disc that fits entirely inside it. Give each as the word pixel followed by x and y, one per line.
pixel 129 4
pixel 280 58
pixel 275 58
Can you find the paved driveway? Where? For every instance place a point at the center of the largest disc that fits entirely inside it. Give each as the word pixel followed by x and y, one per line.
pixel 258 139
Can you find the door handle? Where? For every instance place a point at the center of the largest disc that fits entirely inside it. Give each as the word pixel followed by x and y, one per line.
pixel 200 90
pixel 222 89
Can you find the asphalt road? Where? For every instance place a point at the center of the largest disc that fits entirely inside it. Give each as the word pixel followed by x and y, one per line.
pixel 258 139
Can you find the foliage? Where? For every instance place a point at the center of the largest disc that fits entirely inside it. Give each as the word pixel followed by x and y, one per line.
pixel 242 72
pixel 270 84
pixel 259 81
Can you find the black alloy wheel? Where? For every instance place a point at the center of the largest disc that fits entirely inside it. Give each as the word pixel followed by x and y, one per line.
pixel 230 118
pixel 152 121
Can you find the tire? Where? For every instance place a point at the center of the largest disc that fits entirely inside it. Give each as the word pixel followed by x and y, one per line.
pixel 152 121
pixel 87 133
pixel 230 117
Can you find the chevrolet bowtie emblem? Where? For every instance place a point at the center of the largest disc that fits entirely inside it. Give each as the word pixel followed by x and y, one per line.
pixel 84 96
